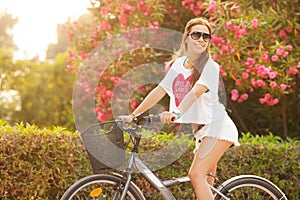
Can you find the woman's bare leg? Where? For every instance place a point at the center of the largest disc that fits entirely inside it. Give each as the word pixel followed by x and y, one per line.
pixel 211 179
pixel 205 161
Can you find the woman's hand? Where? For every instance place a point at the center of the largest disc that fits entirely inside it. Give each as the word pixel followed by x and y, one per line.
pixel 168 117
pixel 126 118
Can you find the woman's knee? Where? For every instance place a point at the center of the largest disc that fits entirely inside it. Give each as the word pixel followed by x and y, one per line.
pixel 196 175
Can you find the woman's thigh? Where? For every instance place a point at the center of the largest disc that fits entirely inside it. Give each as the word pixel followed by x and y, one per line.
pixel 208 155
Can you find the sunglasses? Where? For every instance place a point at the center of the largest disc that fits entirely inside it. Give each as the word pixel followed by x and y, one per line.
pixel 196 35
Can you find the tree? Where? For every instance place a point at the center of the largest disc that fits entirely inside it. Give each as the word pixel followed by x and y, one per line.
pixel 7 23
pixel 61 46
pixel 46 98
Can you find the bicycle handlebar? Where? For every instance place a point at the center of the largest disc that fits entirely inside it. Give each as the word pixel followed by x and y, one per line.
pixel 150 118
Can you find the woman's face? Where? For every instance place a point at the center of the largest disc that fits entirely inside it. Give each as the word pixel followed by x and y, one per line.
pixel 198 40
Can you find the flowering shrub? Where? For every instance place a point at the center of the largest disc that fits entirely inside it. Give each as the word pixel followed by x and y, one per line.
pixel 255 43
pixel 256 51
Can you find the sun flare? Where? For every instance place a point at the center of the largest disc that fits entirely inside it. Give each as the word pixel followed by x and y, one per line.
pixel 38 21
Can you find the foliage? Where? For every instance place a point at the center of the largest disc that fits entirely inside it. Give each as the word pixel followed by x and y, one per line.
pixel 30 91
pixel 44 89
pixel 60 46
pixel 7 23
pixel 255 43
pixel 41 163
pixel 46 98
pixel 38 163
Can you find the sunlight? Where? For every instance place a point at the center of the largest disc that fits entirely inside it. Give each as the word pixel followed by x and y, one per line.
pixel 38 21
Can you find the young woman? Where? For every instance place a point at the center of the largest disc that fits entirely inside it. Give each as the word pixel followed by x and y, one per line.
pixel 192 84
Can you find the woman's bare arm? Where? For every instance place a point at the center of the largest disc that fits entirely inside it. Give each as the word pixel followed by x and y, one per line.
pixel 151 99
pixel 191 97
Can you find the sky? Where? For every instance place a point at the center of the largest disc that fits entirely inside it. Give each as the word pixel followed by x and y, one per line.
pixel 38 21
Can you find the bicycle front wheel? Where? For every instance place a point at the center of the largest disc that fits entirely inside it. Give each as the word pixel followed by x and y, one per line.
pixel 101 187
pixel 248 187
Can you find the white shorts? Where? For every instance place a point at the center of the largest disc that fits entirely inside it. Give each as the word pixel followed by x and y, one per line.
pixel 223 129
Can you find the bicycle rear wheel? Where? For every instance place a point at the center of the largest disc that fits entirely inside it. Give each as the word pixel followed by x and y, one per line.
pixel 101 186
pixel 248 187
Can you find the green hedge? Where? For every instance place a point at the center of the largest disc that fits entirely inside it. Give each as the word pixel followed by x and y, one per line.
pixel 42 163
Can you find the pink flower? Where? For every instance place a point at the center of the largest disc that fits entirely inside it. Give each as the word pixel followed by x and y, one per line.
pixel 285 54
pixel 262 100
pixel 282 87
pixel 244 96
pixel 69 68
pixel 234 97
pixel 265 57
pixel 122 18
pixel 254 23
pixel 253 82
pixel 283 34
pixel 128 8
pixel 260 83
pixel 298 64
pixel 280 51
pixel 275 101
pixel 293 71
pixel 212 7
pixel 103 10
pixel 272 75
pixel 272 102
pixel 222 72
pixel 234 92
pixel 229 25
pixel 238 81
pixel 115 80
pixel 274 58
pixel 267 96
pixel 273 84
pixel 133 103
pixel 243 30
pixel 289 47
pixel 245 75
pixel 217 41
pixel 233 52
pixel 224 49
pixel 268 100
pixel 153 25
pixel 251 61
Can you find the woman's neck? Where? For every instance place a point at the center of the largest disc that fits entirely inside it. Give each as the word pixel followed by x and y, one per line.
pixel 187 64
pixel 191 61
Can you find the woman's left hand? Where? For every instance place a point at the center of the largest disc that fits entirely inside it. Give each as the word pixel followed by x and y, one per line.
pixel 168 117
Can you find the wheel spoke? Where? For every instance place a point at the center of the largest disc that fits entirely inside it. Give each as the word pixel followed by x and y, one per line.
pixel 99 187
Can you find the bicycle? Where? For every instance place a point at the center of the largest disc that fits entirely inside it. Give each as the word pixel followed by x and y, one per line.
pixel 114 185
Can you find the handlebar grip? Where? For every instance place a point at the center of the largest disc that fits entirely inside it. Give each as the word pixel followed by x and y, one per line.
pixel 154 118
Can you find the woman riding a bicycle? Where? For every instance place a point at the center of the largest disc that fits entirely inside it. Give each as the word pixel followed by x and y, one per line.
pixel 192 84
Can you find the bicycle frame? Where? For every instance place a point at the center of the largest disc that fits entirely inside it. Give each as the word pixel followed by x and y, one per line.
pixel 161 186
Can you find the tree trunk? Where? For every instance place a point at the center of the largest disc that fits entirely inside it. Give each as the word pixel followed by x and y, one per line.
pixel 240 121
pixel 283 112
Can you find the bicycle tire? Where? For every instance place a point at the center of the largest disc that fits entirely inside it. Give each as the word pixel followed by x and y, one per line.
pixel 250 187
pixel 110 185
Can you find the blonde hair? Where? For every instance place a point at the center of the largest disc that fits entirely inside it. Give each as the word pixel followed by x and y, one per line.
pixel 196 71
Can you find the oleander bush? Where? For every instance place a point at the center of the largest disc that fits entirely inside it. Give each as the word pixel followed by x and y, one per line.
pixel 41 163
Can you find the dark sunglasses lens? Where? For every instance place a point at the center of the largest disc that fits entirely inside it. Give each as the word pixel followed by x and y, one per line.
pixel 206 37
pixel 197 35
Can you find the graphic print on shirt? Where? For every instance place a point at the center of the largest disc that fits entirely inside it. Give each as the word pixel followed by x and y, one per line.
pixel 181 87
